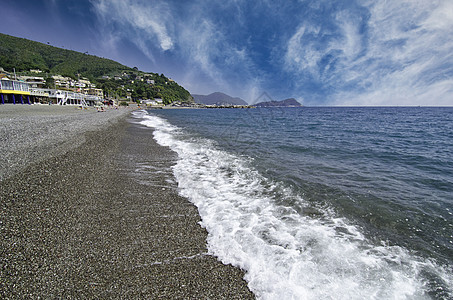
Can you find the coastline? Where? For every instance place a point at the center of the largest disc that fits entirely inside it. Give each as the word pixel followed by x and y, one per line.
pixel 32 133
pixel 103 219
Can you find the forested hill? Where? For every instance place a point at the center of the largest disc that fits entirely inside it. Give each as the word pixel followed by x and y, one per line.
pixel 24 55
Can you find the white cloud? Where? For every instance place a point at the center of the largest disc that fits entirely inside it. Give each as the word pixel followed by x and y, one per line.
pixel 417 50
pixel 195 37
pixel 382 52
pixel 200 40
pixel 350 44
pixel 303 53
pixel 319 51
pixel 404 57
pixel 207 49
pixel 441 17
pixel 146 21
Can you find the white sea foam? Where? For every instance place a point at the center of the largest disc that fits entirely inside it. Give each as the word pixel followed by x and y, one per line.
pixel 286 255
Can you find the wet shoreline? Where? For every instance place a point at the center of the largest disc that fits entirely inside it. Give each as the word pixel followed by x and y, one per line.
pixel 104 220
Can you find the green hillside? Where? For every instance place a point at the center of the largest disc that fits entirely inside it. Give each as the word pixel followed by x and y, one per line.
pixel 23 55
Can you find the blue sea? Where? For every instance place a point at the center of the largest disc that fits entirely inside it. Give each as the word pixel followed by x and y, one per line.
pixel 321 202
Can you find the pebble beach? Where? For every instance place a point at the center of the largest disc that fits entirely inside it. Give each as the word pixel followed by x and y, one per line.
pixel 90 209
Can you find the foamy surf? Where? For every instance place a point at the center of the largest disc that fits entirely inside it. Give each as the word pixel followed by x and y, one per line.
pixel 286 254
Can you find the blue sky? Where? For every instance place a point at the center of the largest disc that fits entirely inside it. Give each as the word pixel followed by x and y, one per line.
pixel 329 52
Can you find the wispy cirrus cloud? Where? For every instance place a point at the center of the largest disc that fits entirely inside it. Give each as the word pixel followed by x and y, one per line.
pixel 392 53
pixel 191 32
pixel 328 52
pixel 208 47
pixel 139 21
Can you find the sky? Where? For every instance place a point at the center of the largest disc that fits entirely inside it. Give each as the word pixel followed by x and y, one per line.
pixel 325 52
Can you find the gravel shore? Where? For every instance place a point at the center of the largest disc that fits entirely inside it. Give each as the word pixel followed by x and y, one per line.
pixel 31 133
pixel 95 213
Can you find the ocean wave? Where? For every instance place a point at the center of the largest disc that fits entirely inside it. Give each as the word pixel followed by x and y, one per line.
pixel 265 228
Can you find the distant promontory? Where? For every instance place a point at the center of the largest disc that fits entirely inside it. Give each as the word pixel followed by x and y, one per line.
pixel 291 102
pixel 218 99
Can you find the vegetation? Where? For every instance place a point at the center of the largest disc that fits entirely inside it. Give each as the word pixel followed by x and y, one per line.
pixel 114 78
pixel 23 55
pixel 137 85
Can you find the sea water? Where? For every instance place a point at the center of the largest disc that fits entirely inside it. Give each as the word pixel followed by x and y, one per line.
pixel 321 203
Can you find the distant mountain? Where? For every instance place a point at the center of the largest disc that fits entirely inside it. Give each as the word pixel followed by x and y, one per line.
pixel 283 103
pixel 218 99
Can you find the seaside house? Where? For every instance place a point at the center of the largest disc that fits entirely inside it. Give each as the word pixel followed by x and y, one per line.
pixel 79 84
pixel 158 102
pixel 31 90
pixel 20 92
pixel 63 97
pixel 62 82
pixel 94 92
pixel 34 81
pixel 13 91
pixel 39 95
pixel 84 82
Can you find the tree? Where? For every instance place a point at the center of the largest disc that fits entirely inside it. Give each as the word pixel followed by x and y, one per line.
pixel 50 83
